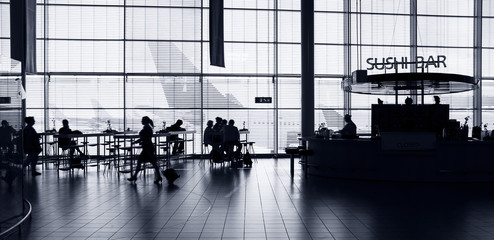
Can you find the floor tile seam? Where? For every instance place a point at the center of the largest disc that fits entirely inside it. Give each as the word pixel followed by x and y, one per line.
pixel 276 178
pixel 181 204
pixel 260 198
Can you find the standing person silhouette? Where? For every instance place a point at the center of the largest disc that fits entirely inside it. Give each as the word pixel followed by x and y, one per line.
pixel 6 134
pixel 148 152
pixel 32 146
pixel 208 134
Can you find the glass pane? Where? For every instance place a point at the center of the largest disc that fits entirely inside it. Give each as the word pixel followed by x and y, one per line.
pixel 434 31
pixel 487 61
pixel 250 26
pixel 150 93
pixel 85 56
pixel 381 29
pixel 328 5
pixel 86 92
pixel 328 93
pixel 236 93
pixel 487 8
pixel 381 6
pixel 173 3
pixel 264 4
pixel 458 60
pixel 163 24
pixel 488 32
pixel 289 59
pixel 76 22
pixel 85 2
pixel 289 93
pixel 288 128
pixel 163 57
pixel 445 7
pixel 328 60
pixel 488 95
pixel 328 28
pixel 289 27
pixel 88 120
pixel 243 58
pixel 289 4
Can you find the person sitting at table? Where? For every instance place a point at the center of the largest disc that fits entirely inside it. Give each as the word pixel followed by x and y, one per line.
pixel 231 138
pixel 31 145
pixel 178 146
pixel 6 134
pixel 66 143
pixel 349 131
pixel 148 150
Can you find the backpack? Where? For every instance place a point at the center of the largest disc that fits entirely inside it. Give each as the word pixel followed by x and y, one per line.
pixel 170 175
pixel 247 159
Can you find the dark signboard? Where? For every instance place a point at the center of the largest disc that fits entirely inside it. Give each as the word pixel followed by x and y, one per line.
pixel 264 100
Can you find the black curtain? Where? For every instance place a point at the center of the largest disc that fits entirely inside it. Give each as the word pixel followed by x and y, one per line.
pixel 23 32
pixel 216 41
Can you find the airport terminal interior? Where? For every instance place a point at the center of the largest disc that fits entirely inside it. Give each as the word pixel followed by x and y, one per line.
pixel 229 119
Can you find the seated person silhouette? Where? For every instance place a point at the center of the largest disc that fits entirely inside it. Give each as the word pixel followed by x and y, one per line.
pixel 349 131
pixel 66 143
pixel 178 146
pixel 6 134
pixel 231 138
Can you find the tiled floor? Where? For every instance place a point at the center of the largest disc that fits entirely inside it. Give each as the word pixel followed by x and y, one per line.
pixel 259 203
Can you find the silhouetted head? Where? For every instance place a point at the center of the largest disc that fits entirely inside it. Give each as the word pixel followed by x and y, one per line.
pixel 29 120
pixel 147 121
pixel 5 123
pixel 379 101
pixel 408 101
pixel 179 122
pixel 210 123
pixel 347 117
pixel 437 100
pixel 65 123
pixel 231 122
pixel 224 122
pixel 218 119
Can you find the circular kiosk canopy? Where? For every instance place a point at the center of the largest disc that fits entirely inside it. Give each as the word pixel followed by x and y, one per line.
pixel 403 83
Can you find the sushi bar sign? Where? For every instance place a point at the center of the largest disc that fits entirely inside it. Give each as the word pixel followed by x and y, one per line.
pixel 403 62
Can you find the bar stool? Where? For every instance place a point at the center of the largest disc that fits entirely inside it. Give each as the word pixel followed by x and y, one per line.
pixel 292 151
pixel 249 147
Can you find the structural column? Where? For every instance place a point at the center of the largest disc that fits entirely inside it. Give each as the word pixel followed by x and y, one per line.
pixel 477 64
pixel 307 88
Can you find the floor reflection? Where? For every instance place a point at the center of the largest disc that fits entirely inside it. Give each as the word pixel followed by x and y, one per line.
pixel 219 202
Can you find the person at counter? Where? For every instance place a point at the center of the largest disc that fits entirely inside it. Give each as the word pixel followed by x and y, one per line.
pixel 349 131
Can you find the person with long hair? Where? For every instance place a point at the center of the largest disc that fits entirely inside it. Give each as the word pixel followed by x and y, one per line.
pixel 148 151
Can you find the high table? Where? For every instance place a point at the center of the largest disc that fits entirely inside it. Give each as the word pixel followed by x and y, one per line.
pixel 85 137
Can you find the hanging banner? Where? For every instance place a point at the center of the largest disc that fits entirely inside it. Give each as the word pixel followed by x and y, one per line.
pixel 216 40
pixel 23 33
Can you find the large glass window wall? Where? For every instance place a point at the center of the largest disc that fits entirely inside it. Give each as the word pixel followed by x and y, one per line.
pixel 119 60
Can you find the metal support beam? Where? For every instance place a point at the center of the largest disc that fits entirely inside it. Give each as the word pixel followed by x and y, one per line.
pixel 307 40
pixel 477 63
